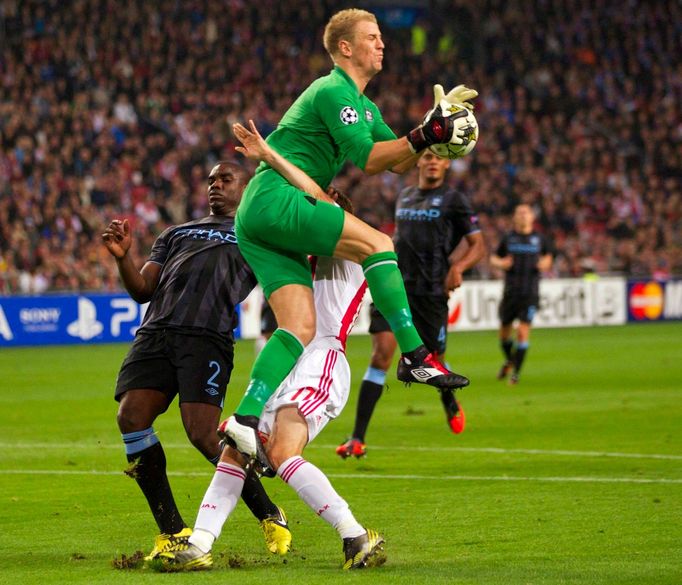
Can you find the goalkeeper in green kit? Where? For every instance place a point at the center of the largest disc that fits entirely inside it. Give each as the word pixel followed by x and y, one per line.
pixel 278 225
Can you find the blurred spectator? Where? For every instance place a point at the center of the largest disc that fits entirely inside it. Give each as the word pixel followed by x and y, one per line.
pixel 107 110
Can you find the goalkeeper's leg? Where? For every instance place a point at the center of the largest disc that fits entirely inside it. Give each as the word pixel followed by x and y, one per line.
pixel 275 250
pixel 275 239
pixel 374 250
pixel 295 311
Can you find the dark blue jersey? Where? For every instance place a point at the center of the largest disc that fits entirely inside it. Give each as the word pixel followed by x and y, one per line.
pixel 203 278
pixel 429 225
pixel 523 277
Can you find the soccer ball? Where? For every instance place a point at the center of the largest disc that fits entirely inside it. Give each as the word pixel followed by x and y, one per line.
pixel 466 128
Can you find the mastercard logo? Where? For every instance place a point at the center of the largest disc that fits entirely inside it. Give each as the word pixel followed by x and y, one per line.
pixel 646 300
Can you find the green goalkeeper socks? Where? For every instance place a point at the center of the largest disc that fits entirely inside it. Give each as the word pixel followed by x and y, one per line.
pixel 272 365
pixel 388 293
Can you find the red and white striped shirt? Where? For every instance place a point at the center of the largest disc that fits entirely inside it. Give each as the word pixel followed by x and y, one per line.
pixel 338 288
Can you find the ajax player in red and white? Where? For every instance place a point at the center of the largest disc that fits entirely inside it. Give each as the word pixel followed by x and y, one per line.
pixel 314 393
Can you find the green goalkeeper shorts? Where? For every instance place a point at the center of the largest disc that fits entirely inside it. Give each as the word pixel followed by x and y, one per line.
pixel 279 226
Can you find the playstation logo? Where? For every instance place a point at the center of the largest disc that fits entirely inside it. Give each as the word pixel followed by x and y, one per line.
pixel 86 326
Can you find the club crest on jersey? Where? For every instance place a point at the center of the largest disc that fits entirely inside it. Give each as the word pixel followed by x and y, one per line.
pixel 368 115
pixel 348 116
pixel 436 201
pixel 534 240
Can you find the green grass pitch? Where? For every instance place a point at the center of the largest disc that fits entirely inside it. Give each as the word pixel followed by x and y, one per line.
pixel 573 476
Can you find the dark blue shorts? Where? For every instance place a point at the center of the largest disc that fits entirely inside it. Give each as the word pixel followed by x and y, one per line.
pixel 195 367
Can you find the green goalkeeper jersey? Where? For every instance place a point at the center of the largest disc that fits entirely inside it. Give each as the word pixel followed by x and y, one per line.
pixel 330 123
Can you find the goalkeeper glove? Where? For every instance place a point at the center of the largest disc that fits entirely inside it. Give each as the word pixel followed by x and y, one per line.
pixel 437 128
pixel 458 95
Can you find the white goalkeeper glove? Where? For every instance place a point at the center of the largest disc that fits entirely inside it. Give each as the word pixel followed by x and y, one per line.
pixel 458 95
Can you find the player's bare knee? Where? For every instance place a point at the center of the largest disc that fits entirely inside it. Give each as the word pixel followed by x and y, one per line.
pixel 204 439
pixel 200 427
pixel 378 242
pixel 126 423
pixel 373 242
pixel 138 409
pixel 303 329
pixel 278 454
pixel 307 334
pixel 233 457
pixel 383 349
pixel 130 420
pixel 384 243
pixel 381 360
pixel 381 364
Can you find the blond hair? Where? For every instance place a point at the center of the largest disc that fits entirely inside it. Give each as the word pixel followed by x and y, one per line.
pixel 341 27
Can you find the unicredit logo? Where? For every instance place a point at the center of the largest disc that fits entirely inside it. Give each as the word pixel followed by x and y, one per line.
pixel 646 300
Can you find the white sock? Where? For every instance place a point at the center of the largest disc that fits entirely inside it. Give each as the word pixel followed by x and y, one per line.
pixel 219 500
pixel 202 539
pixel 313 487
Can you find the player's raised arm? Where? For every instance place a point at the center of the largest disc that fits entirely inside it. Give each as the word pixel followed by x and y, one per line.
pixel 255 148
pixel 140 284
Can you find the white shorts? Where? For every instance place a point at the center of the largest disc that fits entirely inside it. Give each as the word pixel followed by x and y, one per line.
pixel 318 385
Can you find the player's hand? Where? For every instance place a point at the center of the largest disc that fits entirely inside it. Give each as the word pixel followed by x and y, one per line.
pixel 439 127
pixel 507 262
pixel 253 144
pixel 340 198
pixel 117 238
pixel 457 95
pixel 453 279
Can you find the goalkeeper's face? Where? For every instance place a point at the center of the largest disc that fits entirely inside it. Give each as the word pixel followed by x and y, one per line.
pixel 367 47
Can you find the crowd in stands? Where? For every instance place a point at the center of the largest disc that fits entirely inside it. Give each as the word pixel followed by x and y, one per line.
pixel 119 108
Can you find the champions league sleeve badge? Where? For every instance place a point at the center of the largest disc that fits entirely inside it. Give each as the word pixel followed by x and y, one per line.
pixel 348 116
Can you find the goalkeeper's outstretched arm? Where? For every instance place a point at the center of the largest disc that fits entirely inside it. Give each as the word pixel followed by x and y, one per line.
pixel 401 154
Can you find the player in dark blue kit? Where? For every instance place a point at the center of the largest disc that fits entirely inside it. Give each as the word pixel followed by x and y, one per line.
pixel 193 280
pixel 432 219
pixel 523 254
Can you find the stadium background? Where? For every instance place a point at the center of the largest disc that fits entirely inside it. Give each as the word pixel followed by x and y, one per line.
pixel 118 108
